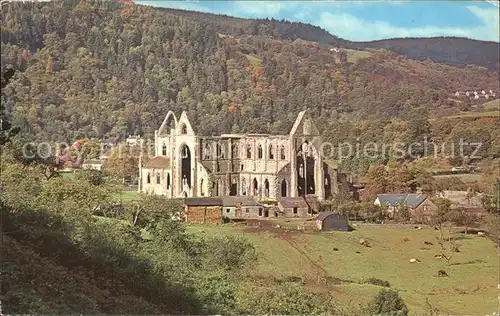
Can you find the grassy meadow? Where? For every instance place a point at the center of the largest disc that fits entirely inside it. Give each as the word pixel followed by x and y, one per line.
pixel 127 196
pixel 476 114
pixel 470 289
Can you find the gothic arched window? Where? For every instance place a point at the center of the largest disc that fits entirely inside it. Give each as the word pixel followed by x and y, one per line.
pixel 183 129
pixel 206 152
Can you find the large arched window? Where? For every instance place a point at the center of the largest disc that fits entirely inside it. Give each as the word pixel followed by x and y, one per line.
pixel 148 178
pixel 282 152
pixel 219 187
pixel 168 180
pixel 234 151
pixel 164 149
pixel 202 188
pixel 221 151
pixel 255 187
pixel 271 154
pixel 158 179
pixel 185 152
pixel 249 151
pixel 183 129
pixel 260 152
pixel 234 187
pixel 243 187
pixel 284 188
pixel 266 188
pixel 185 172
pixel 206 151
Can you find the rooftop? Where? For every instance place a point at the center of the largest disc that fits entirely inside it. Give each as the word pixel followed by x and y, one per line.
pixel 321 216
pixel 408 199
pixel 159 162
pixel 203 201
pixel 289 202
pixel 243 199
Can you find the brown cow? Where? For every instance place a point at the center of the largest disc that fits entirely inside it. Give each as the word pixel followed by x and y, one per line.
pixel 428 243
pixel 442 273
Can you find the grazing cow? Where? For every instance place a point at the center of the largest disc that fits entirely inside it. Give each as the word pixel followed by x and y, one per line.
pixel 358 252
pixel 335 249
pixel 405 240
pixel 364 242
pixel 428 243
pixel 438 256
pixel 481 233
pixel 413 260
pixel 442 273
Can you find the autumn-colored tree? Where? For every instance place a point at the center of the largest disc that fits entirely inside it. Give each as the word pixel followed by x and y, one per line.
pixel 463 217
pixel 123 161
pixel 85 149
pixel 6 129
pixel 442 220
pixel 50 65
pixel 376 180
pixel 400 179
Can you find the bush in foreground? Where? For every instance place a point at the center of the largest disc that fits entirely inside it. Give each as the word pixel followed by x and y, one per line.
pixel 387 303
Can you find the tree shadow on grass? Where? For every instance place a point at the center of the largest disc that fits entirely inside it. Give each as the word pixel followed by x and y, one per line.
pixel 468 262
pixel 105 260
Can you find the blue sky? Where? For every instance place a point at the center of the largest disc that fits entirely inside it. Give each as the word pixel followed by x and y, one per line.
pixel 366 20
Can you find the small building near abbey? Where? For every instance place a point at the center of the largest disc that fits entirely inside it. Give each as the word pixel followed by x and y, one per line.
pixel 203 210
pixel 332 221
pixel 257 168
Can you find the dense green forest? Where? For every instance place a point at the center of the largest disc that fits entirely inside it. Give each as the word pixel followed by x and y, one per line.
pixel 448 50
pixel 101 69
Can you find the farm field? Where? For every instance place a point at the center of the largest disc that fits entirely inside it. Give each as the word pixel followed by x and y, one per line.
pixel 492 105
pixel 354 55
pixel 476 114
pixel 470 289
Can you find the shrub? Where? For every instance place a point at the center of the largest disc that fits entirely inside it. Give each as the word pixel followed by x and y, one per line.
pixel 94 177
pixel 387 303
pixel 378 282
pixel 292 279
pixel 287 299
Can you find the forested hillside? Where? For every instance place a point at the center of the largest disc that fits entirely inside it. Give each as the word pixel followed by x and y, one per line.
pixel 448 50
pixel 107 69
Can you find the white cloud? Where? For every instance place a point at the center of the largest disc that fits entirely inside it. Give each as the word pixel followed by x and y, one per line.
pixel 343 24
pixel 252 8
pixel 350 27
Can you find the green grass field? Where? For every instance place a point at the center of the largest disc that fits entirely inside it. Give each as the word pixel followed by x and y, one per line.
pixel 355 55
pixel 492 105
pixel 470 289
pixel 66 175
pixel 476 114
pixel 127 196
pixel 254 60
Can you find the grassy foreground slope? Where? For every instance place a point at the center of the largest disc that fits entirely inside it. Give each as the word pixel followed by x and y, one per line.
pixel 470 289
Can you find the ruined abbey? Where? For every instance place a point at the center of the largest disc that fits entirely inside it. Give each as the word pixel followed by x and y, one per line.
pixel 263 166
